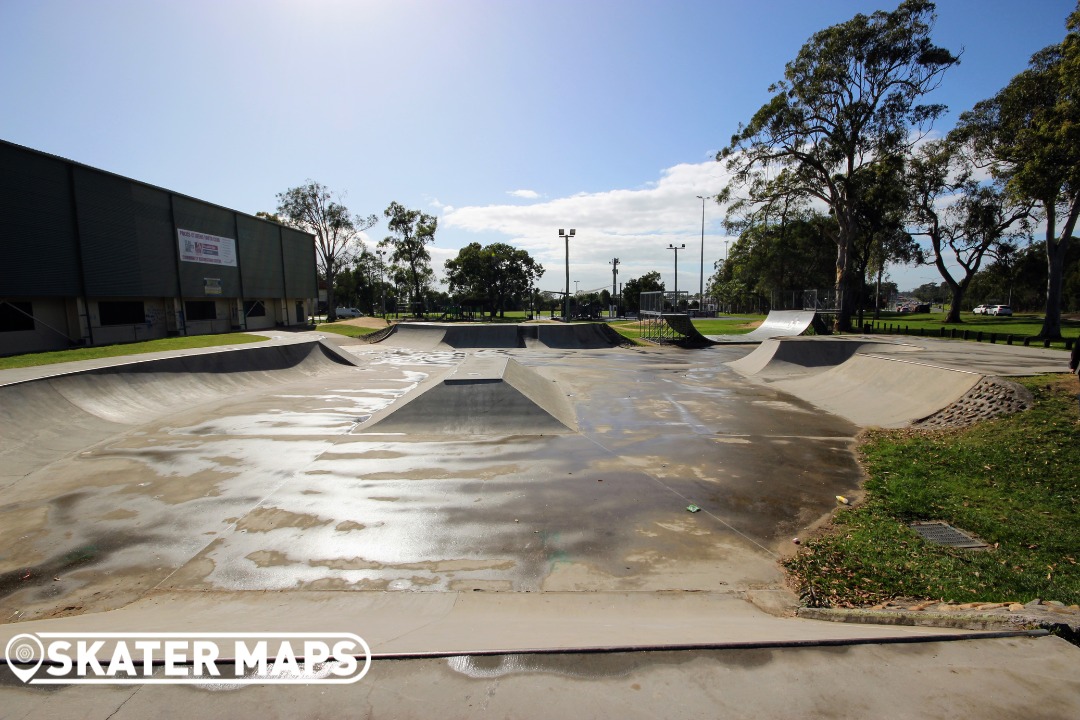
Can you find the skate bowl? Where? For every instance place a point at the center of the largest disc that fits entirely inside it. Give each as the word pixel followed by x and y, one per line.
pixel 778 323
pixel 44 419
pixel 458 336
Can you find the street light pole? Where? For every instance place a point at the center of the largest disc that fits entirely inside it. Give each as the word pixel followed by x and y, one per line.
pixel 564 234
pixel 614 275
pixel 701 285
pixel 677 248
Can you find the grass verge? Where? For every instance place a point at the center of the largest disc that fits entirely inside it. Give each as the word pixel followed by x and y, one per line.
pixel 353 331
pixel 1014 482
pixel 706 326
pixel 136 348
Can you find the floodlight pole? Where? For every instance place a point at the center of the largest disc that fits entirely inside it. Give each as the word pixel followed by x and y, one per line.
pixel 676 248
pixel 701 284
pixel 563 234
pixel 614 276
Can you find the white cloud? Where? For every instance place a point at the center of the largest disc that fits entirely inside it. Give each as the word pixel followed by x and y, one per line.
pixel 440 207
pixel 634 225
pixel 524 194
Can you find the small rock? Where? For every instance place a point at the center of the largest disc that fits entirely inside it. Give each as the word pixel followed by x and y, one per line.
pixel 1056 603
pixel 796 540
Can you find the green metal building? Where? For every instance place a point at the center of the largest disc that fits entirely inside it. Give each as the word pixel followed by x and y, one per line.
pixel 91 258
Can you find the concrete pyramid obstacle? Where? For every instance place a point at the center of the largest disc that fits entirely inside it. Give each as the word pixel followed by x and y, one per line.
pixel 484 396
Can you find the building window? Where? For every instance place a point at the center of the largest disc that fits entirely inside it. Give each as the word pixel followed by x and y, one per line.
pixel 200 310
pixel 254 308
pixel 16 316
pixel 121 312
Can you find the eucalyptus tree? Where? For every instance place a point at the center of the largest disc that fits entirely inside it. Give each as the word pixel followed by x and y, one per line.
pixel 1029 134
pixel 316 209
pixel 412 231
pixel 850 99
pixel 963 218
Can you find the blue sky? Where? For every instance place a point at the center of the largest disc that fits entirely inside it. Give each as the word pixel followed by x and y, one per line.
pixel 508 119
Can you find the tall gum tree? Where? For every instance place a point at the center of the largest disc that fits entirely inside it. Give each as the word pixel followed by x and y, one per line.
pixel 1029 135
pixel 963 219
pixel 316 209
pixel 849 99
pixel 412 231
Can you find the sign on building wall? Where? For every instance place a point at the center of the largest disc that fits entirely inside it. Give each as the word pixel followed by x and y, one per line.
pixel 209 249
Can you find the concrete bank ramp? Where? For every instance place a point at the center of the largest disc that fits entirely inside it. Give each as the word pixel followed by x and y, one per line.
pixel 874 390
pixel 778 323
pixel 868 382
pixel 459 336
pixel 484 396
pixel 787 357
pixel 42 420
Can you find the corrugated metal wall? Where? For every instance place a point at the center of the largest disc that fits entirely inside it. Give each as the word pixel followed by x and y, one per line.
pixel 37 229
pixel 298 249
pixel 128 238
pixel 197 216
pixel 260 259
pixel 126 235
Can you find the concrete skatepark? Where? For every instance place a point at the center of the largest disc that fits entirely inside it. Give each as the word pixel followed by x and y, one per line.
pixel 464 496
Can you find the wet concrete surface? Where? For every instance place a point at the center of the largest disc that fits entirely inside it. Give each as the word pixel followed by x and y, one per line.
pixel 922 681
pixel 280 488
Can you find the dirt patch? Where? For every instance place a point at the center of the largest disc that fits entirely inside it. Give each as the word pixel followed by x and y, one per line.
pixel 375 323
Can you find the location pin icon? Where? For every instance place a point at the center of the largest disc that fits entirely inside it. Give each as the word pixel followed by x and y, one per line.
pixel 24 654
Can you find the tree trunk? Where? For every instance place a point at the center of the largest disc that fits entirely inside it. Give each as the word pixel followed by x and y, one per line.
pixel 877 292
pixel 331 302
pixel 844 295
pixel 1055 273
pixel 957 297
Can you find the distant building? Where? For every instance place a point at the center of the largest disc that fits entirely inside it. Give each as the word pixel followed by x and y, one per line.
pixel 91 258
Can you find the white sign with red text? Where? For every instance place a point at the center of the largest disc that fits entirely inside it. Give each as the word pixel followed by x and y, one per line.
pixel 210 249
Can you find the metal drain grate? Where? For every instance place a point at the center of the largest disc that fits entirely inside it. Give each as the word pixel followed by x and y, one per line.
pixel 944 534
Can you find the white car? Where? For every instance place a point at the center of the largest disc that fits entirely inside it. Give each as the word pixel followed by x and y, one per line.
pixel 980 309
pixel 999 310
pixel 348 312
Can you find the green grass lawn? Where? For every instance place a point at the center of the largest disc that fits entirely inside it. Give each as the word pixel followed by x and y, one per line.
pixel 137 348
pixel 353 331
pixel 1014 482
pixel 706 326
pixel 1017 325
pixel 727 326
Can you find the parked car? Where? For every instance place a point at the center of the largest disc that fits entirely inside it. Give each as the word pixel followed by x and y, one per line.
pixel 980 309
pixel 348 312
pixel 999 310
